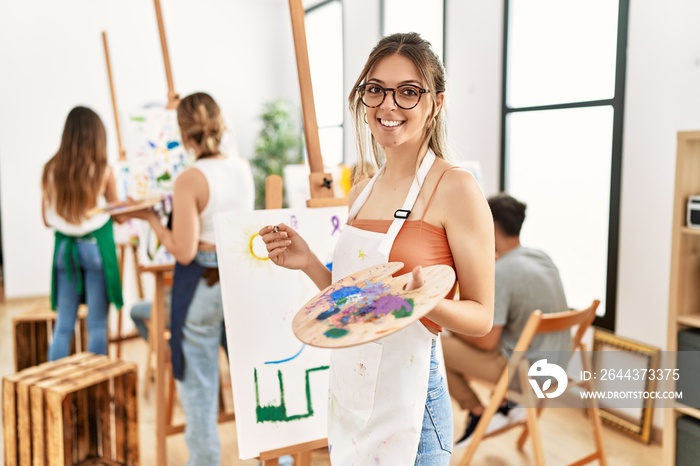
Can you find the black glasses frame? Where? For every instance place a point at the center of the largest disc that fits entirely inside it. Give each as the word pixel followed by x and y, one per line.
pixel 361 90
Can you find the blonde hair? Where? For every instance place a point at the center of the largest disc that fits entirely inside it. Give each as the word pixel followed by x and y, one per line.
pixel 200 121
pixel 73 178
pixel 412 46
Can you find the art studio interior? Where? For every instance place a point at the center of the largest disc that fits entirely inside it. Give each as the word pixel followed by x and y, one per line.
pixel 585 112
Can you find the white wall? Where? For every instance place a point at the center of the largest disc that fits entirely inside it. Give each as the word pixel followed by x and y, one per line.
pixel 51 59
pixel 474 65
pixel 663 97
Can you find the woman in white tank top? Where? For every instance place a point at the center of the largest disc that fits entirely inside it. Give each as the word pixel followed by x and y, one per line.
pixel 214 184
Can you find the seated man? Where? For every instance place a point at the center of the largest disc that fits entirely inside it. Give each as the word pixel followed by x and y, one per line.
pixel 526 280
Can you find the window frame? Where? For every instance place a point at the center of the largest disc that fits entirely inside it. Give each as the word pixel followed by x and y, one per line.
pixel 617 102
pixel 341 125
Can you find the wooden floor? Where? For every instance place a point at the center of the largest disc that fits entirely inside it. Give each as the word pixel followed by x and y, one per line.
pixel 565 431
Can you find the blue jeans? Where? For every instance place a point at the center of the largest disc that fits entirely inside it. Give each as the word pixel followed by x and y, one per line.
pixel 199 389
pixel 68 301
pixel 141 312
pixel 435 446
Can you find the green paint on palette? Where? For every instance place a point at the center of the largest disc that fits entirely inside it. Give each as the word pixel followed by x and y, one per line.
pixel 401 313
pixel 336 333
pixel 139 119
pixel 404 312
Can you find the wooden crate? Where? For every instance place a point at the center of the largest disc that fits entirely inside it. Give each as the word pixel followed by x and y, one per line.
pixel 16 408
pixel 75 411
pixel 37 405
pixel 32 333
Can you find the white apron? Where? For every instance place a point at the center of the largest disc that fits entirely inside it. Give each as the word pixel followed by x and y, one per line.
pixel 378 390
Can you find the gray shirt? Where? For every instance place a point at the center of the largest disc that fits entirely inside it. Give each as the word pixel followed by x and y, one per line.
pixel 526 280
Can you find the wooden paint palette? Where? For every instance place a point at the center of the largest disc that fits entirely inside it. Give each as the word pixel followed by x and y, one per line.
pixel 369 305
pixel 121 207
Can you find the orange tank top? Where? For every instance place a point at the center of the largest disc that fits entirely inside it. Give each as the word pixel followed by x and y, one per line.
pixel 418 243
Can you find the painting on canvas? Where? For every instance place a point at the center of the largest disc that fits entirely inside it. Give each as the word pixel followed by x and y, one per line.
pixel 280 385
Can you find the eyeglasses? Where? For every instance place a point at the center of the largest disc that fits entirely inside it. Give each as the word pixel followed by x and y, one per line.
pixel 405 97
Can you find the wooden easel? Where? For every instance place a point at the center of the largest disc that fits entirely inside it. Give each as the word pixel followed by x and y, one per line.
pixel 173 97
pixel 163 422
pixel 128 246
pixel 321 190
pixel 108 62
pixel 157 334
pixel 320 183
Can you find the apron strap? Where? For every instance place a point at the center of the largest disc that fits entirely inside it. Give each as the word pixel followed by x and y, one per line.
pixel 388 241
pixel 362 198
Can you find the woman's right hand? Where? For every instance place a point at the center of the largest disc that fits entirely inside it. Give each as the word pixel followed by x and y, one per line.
pixel 285 247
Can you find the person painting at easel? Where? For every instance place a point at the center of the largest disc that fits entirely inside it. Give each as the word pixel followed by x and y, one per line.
pixel 215 183
pixel 388 401
pixel 75 180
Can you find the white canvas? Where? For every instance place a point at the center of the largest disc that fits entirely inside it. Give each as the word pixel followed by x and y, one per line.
pixel 287 404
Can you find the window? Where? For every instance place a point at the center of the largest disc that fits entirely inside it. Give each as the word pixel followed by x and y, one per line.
pixel 562 136
pixel 324 38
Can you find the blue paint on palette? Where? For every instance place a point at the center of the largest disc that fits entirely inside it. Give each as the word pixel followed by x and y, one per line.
pixel 344 292
pixel 330 312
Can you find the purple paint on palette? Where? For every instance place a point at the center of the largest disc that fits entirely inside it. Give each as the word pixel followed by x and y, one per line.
pixel 352 304
pixel 389 303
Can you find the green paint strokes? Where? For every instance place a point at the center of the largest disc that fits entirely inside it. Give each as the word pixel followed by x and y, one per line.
pixel 278 413
pixel 164 177
pixel 336 332
pixel 403 312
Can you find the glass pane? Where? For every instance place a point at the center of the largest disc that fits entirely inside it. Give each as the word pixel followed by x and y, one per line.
pixel 331 140
pixel 425 17
pixel 559 165
pixel 561 51
pixel 324 38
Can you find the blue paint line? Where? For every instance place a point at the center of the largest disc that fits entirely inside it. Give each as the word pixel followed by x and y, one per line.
pixel 288 359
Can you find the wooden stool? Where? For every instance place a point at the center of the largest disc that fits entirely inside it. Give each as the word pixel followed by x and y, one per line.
pixel 74 411
pixel 32 333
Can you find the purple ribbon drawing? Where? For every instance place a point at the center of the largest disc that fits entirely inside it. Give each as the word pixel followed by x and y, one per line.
pixel 293 221
pixel 336 224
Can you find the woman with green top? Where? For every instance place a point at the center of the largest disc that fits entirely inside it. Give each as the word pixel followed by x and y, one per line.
pixel 76 180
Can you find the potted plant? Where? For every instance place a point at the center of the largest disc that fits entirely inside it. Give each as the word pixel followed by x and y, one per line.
pixel 279 143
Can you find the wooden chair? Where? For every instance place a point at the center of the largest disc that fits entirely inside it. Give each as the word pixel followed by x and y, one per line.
pixel 540 323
